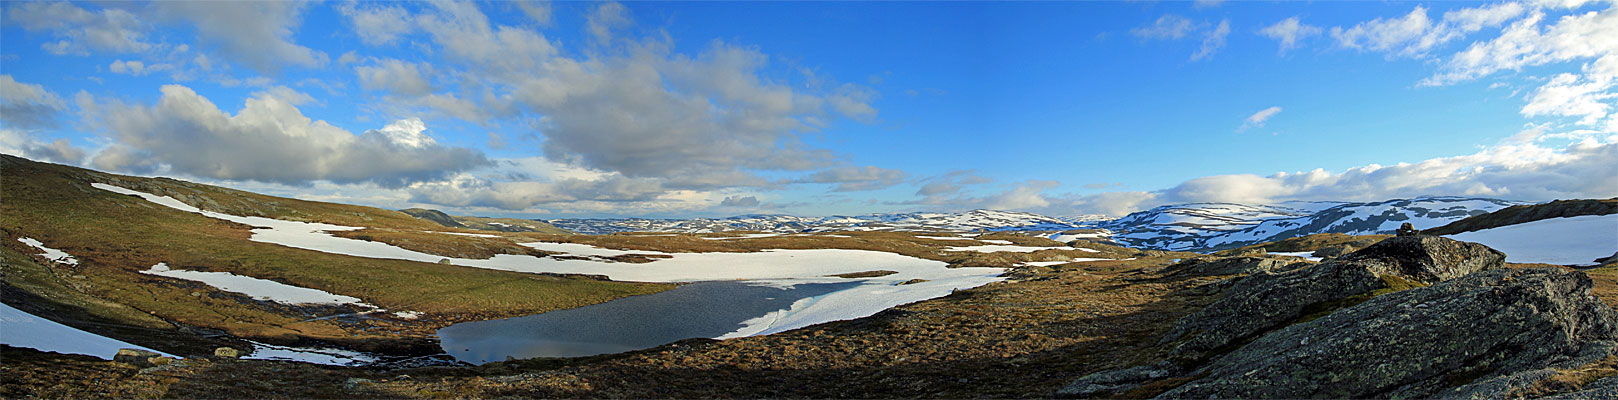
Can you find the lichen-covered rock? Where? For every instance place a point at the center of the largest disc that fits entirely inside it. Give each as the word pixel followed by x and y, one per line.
pixel 136 357
pixel 1116 381
pixel 1261 302
pixel 1406 229
pixel 1345 248
pixel 1233 266
pixel 1604 388
pixel 1266 301
pixel 1469 332
pixel 1533 382
pixel 227 352
pixel 1428 258
pixel 1253 252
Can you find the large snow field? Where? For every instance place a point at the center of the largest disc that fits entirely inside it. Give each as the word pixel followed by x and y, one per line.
pixel 580 249
pixel 1068 237
pixel 262 289
pixel 746 236
pixel 21 329
pixel 483 235
pixel 1075 260
pixel 991 248
pixel 776 267
pixel 53 254
pixel 1562 241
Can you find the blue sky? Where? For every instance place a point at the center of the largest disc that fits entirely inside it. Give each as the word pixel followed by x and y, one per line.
pixel 678 109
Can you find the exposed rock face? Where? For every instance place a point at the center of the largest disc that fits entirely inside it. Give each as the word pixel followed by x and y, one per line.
pixel 136 357
pixel 1253 252
pixel 1266 301
pixel 1233 266
pixel 1406 229
pixel 1605 388
pixel 1428 258
pixel 1345 248
pixel 227 352
pixel 1487 332
pixel 1117 381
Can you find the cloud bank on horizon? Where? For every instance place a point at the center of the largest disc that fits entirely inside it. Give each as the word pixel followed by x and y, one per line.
pixel 605 109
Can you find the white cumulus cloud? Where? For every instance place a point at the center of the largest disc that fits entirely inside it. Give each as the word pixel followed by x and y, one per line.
pixel 268 140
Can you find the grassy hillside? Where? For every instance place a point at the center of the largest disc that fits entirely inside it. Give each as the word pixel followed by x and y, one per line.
pixel 1528 213
pixel 114 236
pixel 485 224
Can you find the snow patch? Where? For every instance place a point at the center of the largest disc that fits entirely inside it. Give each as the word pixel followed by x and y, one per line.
pixel 261 289
pixel 50 253
pixel 469 234
pixel 745 236
pixel 1068 237
pixel 1307 255
pixel 998 248
pixel 580 249
pixel 1561 241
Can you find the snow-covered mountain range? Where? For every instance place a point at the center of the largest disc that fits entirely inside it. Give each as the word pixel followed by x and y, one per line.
pixel 1192 227
pixel 976 220
pixel 1214 226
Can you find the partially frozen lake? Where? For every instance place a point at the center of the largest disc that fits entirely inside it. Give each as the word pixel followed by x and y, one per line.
pixel 696 310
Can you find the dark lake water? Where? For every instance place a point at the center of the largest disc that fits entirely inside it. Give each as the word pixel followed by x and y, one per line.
pixel 696 310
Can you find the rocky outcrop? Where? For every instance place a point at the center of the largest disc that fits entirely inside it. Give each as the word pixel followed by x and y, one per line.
pixel 140 358
pixel 1265 301
pixel 1345 248
pixel 1481 336
pixel 227 352
pixel 1405 229
pixel 1427 258
pixel 1605 388
pixel 1117 381
pixel 1233 266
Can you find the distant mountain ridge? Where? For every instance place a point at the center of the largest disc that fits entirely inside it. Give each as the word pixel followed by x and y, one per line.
pixel 1214 226
pixel 1187 227
pixel 975 220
